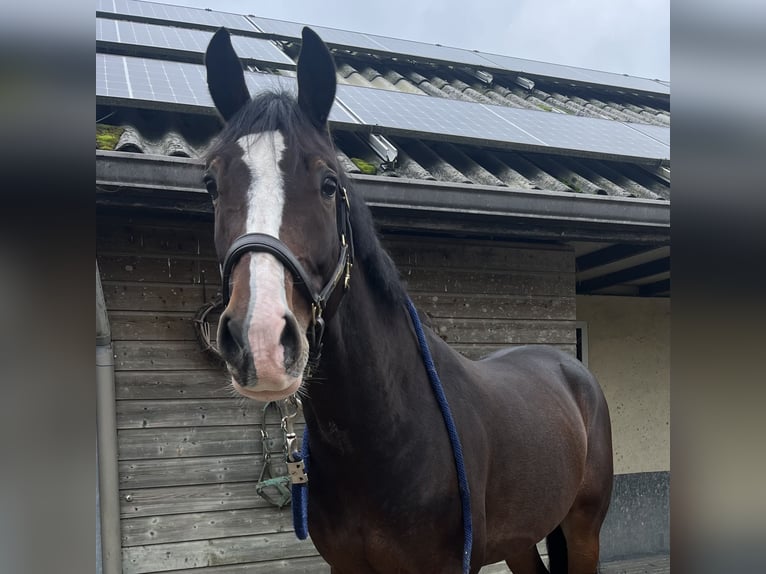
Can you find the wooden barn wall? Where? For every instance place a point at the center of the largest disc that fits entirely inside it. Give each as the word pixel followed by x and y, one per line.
pixel 189 450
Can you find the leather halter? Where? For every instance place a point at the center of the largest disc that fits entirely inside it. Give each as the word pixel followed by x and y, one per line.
pixel 324 302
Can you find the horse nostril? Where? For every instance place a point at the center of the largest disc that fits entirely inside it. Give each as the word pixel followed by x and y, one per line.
pixel 290 341
pixel 230 340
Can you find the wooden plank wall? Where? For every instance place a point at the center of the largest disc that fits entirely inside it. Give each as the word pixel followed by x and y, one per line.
pixel 189 450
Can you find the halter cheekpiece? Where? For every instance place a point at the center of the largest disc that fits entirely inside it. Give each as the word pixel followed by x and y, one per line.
pixel 324 302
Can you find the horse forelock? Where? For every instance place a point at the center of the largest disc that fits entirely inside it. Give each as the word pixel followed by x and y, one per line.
pixel 276 111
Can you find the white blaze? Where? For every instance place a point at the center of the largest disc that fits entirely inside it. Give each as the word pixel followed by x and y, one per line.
pixel 266 195
pixel 265 203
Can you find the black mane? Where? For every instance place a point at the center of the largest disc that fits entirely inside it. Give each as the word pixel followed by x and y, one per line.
pixel 270 111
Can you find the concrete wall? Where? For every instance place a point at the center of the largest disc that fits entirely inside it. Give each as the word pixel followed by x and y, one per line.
pixel 629 352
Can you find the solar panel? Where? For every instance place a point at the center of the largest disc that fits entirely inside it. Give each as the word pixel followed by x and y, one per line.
pixel 172 82
pixel 592 135
pixel 330 35
pixel 426 115
pixel 433 52
pixel 260 50
pixel 106 30
pixel 212 20
pixel 460 56
pixel 277 27
pixel 658 133
pixel 111 80
pixel 159 83
pixel 583 75
pixel 372 42
pixel 153 11
pixel 185 39
pixel 423 116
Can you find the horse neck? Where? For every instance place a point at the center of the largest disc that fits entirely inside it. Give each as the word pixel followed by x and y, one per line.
pixel 371 377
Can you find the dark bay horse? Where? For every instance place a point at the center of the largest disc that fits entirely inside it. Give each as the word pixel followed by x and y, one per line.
pixel 383 494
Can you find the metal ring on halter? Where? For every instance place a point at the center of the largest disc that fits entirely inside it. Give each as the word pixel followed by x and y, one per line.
pixel 288 426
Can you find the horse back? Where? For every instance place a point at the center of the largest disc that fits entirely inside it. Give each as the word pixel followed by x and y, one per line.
pixel 533 372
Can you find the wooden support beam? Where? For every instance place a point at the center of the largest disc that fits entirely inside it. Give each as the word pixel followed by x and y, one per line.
pixel 609 255
pixel 656 288
pixel 625 275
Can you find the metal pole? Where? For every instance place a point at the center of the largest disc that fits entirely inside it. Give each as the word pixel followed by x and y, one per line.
pixel 109 502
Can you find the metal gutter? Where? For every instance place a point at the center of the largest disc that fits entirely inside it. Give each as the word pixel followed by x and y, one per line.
pixel 163 182
pixel 108 481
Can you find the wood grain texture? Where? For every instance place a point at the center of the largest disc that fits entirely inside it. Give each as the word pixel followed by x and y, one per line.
pixel 215 552
pixel 190 452
pixel 185 499
pixel 308 565
pixel 151 296
pixel 205 525
pixel 201 383
pixel 160 443
pixel 176 269
pixel 155 473
pixel 188 413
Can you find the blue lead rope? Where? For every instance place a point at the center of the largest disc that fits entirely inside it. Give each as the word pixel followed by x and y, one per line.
pixel 300 494
pixel 457 450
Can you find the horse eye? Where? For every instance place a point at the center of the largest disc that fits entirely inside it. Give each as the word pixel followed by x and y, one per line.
pixel 211 186
pixel 329 186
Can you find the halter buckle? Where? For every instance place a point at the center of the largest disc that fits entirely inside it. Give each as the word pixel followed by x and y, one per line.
pixel 345 197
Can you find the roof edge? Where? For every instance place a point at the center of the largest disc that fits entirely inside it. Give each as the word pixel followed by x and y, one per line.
pixel 148 181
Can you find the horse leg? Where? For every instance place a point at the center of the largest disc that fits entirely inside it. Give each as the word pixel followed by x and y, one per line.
pixel 557 551
pixel 581 526
pixel 582 543
pixel 528 562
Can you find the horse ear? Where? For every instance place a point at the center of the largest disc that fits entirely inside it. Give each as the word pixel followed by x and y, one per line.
pixel 225 76
pixel 316 79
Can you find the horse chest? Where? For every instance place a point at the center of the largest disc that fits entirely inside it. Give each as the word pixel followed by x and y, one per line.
pixel 379 534
pixel 357 547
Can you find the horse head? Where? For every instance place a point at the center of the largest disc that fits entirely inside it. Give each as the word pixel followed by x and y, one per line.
pixel 282 231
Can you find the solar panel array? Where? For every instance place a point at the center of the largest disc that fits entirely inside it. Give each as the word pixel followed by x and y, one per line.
pixel 582 75
pixel 160 83
pixel 424 115
pixel 157 83
pixel 153 11
pixel 391 46
pixel 292 30
pixel 450 55
pixel 186 40
pixel 594 135
pixel 525 129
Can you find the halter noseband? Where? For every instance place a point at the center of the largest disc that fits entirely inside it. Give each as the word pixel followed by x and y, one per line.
pixel 320 300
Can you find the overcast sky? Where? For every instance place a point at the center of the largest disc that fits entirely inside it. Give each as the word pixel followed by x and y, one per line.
pixel 623 36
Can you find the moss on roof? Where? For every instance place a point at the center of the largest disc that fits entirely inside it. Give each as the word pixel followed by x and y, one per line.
pixel 365 167
pixel 107 136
